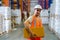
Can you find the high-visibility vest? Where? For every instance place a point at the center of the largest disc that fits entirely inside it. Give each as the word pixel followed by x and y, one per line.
pixel 36 22
pixel 39 30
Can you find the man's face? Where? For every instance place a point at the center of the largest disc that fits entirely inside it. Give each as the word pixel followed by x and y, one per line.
pixel 37 11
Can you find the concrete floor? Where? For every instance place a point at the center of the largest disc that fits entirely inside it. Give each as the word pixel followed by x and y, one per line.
pixel 18 34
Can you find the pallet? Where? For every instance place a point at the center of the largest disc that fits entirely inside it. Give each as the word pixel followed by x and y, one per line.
pixel 8 31
pixel 56 33
pixel 1 33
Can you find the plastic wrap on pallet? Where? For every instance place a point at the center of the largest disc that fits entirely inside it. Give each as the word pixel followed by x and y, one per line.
pixel 17 12
pixel 6 12
pixel 57 27
pixel 53 7
pixel 7 25
pixel 51 23
pixel 58 8
pixel 1 23
pixel 13 12
pixel 52 16
pixel 57 19
pixel 44 13
pixel 57 23
pixel 44 20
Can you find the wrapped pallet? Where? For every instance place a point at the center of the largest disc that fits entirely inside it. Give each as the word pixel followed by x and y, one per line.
pixel 44 16
pixel 1 24
pixel 57 25
pixel 51 24
pixel 52 16
pixel 6 12
pixel 17 13
pixel 55 17
pixel 7 26
pixel 7 19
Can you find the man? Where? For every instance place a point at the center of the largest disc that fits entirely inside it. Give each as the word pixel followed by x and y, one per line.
pixel 34 21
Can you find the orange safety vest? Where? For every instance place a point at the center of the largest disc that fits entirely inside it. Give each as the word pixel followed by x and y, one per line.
pixel 38 22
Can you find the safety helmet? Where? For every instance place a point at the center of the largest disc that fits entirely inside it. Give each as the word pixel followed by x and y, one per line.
pixel 38 6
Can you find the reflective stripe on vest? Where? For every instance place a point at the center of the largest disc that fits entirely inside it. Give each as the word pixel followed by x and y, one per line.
pixel 36 22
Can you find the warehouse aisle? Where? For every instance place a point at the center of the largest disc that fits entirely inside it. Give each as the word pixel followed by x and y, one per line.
pixel 17 34
pixel 49 35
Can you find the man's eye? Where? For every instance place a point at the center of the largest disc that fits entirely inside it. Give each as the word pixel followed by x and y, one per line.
pixel 38 10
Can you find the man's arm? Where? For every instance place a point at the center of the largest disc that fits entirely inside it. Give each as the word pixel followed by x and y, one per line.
pixel 27 24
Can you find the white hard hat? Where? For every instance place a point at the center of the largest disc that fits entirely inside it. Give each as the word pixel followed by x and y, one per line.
pixel 38 6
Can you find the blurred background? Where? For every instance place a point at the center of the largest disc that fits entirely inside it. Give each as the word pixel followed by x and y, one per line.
pixel 13 13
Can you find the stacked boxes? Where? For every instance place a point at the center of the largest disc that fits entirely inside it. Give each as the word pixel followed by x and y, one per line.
pixel 52 16
pixel 6 12
pixel 17 13
pixel 44 16
pixel 1 24
pixel 55 17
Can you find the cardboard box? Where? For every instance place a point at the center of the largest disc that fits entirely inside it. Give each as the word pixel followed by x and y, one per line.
pixel 38 31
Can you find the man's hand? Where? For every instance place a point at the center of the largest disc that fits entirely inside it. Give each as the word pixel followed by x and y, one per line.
pixel 32 35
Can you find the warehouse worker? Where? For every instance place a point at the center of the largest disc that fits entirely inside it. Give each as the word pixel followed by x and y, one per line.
pixel 34 21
